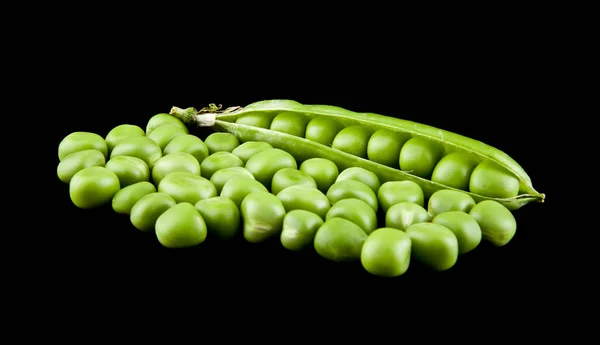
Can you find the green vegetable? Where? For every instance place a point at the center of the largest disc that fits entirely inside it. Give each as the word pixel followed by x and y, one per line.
pixel 221 142
pixel 262 214
pixel 187 187
pixel 181 226
pixel 433 245
pixel 238 187
pixel 384 147
pixel 290 123
pixel 394 192
pixel 221 215
pixel 123 200
pixel 386 253
pixel 80 141
pixel 488 178
pixel 174 162
pixel 148 208
pixel 163 134
pixel 217 161
pixel 264 164
pixel 121 132
pixel 418 157
pixel 143 148
pixel 302 197
pixel 339 240
pixel 93 187
pixel 362 175
pixel 449 200
pixel 162 119
pixel 464 227
pixel 497 223
pixel 299 229
pixel 78 161
pixel 454 170
pixel 220 177
pixel 402 215
pixel 288 177
pixel 323 171
pixel 356 211
pixel 189 144
pixel 130 170
pixel 322 130
pixel 249 149
pixel 351 189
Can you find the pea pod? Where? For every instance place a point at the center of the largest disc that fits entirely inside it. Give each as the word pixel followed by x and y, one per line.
pixel 503 169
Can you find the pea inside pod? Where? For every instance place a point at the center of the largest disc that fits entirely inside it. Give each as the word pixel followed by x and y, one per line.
pixel 384 147
pixel 419 156
pixel 78 161
pixel 353 140
pixel 454 170
pixel 291 123
pixel 323 130
pixel 121 132
pixel 80 141
pixel 488 178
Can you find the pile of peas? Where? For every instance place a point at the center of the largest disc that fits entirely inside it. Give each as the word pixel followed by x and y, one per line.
pixel 184 189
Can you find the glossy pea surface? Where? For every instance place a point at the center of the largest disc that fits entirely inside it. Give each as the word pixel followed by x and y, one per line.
pixel 302 197
pixel 322 130
pixel 299 229
pixel 465 228
pixel 163 119
pixel 322 170
pixel 339 240
pixel 498 225
pixel 290 123
pixel 130 170
pixel 174 162
pixel 491 180
pixel 402 215
pixel 264 164
pixel 362 175
pixel 258 119
pixel 181 226
pixel 394 192
pixel 384 147
pixel 249 149
pixel 433 245
pixel 221 142
pixel 146 210
pixel 351 189
pixel 221 215
pixel 446 200
pixel 356 211
pixel 386 253
pixel 288 177
pixel 78 161
pixel 121 132
pixel 79 141
pixel 189 144
pixel 143 148
pixel 93 187
pixel 262 214
pixel 124 199
pixel 238 187
pixel 353 140
pixel 163 134
pixel 187 187
pixel 219 178
pixel 454 170
pixel 218 161
pixel 419 156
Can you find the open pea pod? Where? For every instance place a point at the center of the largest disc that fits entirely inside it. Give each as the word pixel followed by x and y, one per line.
pixel 235 120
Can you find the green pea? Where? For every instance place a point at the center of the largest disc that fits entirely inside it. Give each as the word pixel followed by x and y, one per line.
pixel 362 175
pixel 302 197
pixel 402 215
pixel 249 149
pixel 386 253
pixel 163 134
pixel 498 225
pixel 339 240
pixel 351 189
pixel 433 245
pixel 143 148
pixel 93 187
pixel 299 229
pixel 221 177
pixel 394 192
pixel 384 147
pixel 356 211
pixel 454 170
pixel 146 211
pixel 221 215
pixel 221 142
pixel 290 123
pixel 174 162
pixel 78 161
pixel 130 170
pixel 260 120
pixel 353 140
pixel 323 130
pixel 181 226
pixel 238 187
pixel 184 186
pixel 262 214
pixel 322 170
pixel 449 200
pixel 288 177
pixel 189 144
pixel 123 200
pixel 266 163
pixel 79 141
pixel 218 161
pixel 491 180
pixel 163 119
pixel 121 132
pixel 465 228
pixel 419 156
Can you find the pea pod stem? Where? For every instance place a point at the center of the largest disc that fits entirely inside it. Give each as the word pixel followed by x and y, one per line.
pixel 224 120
